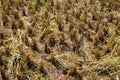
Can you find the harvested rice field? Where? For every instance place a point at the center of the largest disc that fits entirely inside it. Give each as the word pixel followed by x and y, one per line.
pixel 59 39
